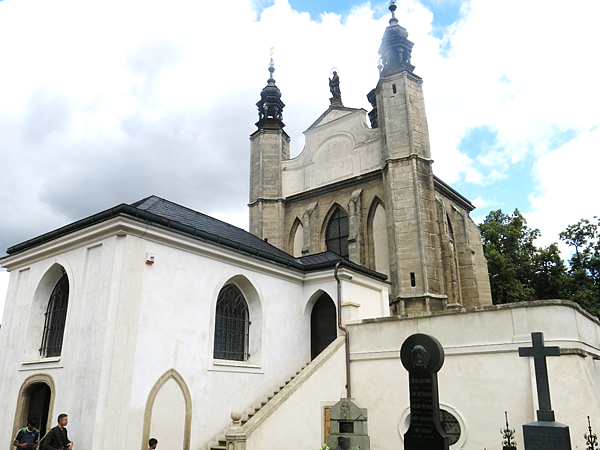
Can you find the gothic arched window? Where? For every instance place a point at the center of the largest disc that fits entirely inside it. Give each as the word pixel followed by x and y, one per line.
pixel 336 236
pixel 56 314
pixel 231 325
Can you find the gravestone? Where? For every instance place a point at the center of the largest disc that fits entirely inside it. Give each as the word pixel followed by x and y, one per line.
pixel 545 433
pixel 348 426
pixel 422 356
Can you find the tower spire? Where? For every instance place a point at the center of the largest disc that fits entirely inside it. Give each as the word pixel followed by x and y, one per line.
pixel 270 106
pixel 395 47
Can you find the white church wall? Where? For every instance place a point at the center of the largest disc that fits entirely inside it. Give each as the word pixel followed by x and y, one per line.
pixel 368 297
pixel 176 330
pixel 482 375
pixel 77 372
pixel 128 322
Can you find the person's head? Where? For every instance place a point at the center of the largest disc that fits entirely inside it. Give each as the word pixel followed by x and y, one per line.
pixel 152 443
pixel 63 419
pixel 32 423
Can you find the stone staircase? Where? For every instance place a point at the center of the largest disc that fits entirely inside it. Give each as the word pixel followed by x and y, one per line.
pixel 218 443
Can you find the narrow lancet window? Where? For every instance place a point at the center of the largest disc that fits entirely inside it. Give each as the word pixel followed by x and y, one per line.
pixel 336 236
pixel 56 315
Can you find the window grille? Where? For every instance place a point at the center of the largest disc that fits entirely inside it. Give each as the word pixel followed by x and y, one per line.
pixel 336 236
pixel 231 325
pixel 56 314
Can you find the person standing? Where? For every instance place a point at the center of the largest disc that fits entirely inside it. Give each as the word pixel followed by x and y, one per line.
pixel 57 438
pixel 152 443
pixel 29 436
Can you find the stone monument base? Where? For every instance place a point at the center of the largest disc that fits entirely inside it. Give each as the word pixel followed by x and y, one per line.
pixel 546 435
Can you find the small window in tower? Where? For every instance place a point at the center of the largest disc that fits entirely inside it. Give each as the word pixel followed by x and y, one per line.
pixel 413 281
pixel 394 88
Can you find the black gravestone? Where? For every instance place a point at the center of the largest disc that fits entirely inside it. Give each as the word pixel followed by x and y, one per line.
pixel 545 433
pixel 422 356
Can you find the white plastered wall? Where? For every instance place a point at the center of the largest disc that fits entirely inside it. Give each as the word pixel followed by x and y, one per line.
pixel 482 375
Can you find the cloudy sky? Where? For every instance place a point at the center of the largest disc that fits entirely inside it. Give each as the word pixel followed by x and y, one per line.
pixel 107 102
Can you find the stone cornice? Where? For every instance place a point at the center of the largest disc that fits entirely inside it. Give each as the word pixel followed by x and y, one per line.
pixel 270 131
pixel 266 200
pixel 452 194
pixel 322 190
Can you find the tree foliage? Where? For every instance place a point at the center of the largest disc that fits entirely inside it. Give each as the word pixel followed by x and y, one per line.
pixel 520 271
pixel 584 272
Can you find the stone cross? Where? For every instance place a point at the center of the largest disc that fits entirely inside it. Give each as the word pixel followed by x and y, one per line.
pixel 539 353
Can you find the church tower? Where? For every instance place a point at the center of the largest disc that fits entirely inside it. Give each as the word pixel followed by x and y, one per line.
pixel 415 253
pixel 368 193
pixel 269 146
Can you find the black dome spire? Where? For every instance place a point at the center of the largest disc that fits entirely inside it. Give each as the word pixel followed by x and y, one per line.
pixel 395 47
pixel 270 106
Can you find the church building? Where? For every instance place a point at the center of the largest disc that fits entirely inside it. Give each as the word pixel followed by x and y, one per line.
pixel 154 320
pixel 368 193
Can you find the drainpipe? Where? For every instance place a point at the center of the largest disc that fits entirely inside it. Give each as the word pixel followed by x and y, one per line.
pixel 344 329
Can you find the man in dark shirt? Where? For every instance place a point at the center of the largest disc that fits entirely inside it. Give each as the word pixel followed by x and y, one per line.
pixel 57 438
pixel 28 436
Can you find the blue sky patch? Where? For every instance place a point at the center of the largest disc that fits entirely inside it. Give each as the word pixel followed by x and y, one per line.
pixel 478 141
pixel 561 137
pixel 445 12
pixel 512 191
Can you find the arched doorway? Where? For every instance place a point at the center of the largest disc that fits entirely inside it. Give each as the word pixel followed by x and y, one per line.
pixel 323 325
pixel 39 403
pixel 35 400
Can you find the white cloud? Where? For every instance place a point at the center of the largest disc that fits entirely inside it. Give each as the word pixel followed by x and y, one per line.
pixel 568 186
pixel 105 102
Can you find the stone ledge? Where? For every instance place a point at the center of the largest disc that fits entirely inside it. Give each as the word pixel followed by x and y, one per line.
pixel 476 309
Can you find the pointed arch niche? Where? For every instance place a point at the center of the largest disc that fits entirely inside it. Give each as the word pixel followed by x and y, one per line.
pixel 378 238
pixel 168 414
pixel 296 239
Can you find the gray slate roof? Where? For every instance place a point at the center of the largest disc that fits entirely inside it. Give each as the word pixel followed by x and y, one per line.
pixel 181 214
pixel 168 215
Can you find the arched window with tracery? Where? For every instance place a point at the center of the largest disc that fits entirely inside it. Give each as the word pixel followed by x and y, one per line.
pixel 231 325
pixel 56 315
pixel 336 236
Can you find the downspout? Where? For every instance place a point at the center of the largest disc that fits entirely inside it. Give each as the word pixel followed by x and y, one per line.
pixel 344 329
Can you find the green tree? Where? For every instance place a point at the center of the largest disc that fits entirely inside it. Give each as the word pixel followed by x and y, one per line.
pixel 550 279
pixel 519 271
pixel 508 246
pixel 584 273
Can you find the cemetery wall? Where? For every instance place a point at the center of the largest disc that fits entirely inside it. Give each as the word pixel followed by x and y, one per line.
pixel 482 376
